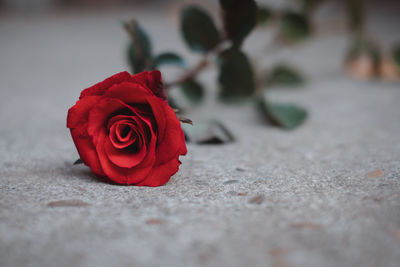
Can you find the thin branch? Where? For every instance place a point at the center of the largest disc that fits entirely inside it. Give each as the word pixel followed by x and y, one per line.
pixel 191 73
pixel 198 68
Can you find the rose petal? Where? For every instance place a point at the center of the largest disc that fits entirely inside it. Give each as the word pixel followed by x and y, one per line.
pixel 123 157
pixel 79 113
pixel 129 93
pixel 161 174
pixel 100 114
pixel 126 175
pixel 105 144
pixel 171 140
pixel 136 119
pixel 120 129
pixel 117 140
pixel 100 88
pixel 98 131
pixel 77 121
pixel 87 151
pixel 153 81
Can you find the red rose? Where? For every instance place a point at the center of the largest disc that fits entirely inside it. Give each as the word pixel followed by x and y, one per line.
pixel 124 129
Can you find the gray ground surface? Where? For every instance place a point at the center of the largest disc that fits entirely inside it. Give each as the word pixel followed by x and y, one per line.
pixel 326 194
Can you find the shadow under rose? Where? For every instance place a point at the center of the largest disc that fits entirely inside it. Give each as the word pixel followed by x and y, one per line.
pixel 83 172
pixel 80 171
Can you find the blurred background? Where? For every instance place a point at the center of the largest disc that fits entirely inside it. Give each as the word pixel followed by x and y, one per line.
pixel 63 34
pixel 58 47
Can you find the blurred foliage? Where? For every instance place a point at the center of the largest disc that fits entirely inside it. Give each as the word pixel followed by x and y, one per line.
pixel 286 75
pixel 198 29
pixel 364 58
pixel 172 103
pixel 193 90
pixel 139 50
pixel 239 19
pixel 287 116
pixel 208 132
pixel 168 58
pixel 294 26
pixel 396 56
pixel 236 75
pixel 264 15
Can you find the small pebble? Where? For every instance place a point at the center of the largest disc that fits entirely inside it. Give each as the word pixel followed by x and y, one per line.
pixel 67 203
pixel 231 182
pixel 309 225
pixel 257 200
pixel 375 174
pixel 154 221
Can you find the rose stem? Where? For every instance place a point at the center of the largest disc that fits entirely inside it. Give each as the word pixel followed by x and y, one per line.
pixel 199 67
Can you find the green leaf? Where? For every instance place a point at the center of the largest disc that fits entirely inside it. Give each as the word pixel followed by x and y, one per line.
pixel 264 15
pixel 140 49
pixel 193 91
pixel 239 17
pixel 294 26
pixel 137 64
pixel 198 29
pixel 235 75
pixel 167 58
pixel 286 116
pixel 396 56
pixel 355 13
pixel 285 75
pixel 78 161
pixel 208 132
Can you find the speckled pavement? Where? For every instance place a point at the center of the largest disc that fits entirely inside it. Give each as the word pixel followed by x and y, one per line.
pixel 325 194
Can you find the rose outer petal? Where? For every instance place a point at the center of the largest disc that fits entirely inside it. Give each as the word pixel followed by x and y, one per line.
pixel 77 122
pixel 100 88
pixel 153 81
pixel 129 93
pixel 161 174
pixel 87 151
pixel 170 134
pixel 78 114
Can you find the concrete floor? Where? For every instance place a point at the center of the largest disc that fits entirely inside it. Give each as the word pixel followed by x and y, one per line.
pixel 326 194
